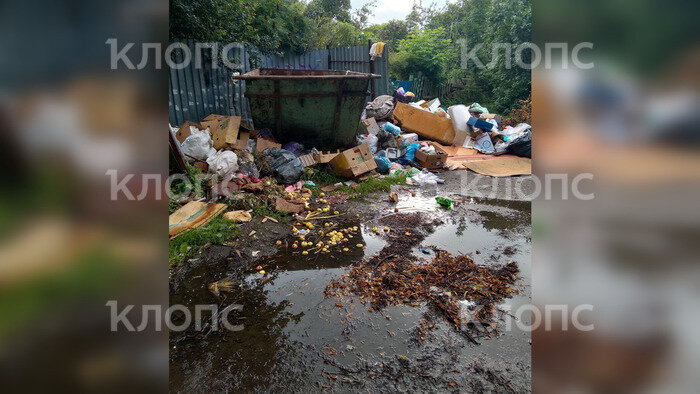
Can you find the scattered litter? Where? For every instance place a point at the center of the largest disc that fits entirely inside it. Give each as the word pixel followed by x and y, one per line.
pixel 284 205
pixel 238 216
pixel 444 202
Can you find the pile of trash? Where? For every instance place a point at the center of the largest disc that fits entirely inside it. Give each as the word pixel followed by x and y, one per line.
pixel 398 137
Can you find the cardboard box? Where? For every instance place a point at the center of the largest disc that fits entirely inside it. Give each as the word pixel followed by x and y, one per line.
pixel 307 160
pixel 434 161
pixel 263 144
pixel 325 157
pixel 370 125
pixel 427 125
pixel 497 118
pixel 223 129
pixel 242 142
pixel 354 162
pixel 184 131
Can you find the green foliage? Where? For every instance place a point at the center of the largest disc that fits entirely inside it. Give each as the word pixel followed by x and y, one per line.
pixel 337 10
pixel 488 22
pixel 391 33
pixel 426 43
pixel 429 53
pixel 217 231
pixel 328 32
pixel 276 25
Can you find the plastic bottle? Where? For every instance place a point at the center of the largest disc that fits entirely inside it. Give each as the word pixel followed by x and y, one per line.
pixel 391 128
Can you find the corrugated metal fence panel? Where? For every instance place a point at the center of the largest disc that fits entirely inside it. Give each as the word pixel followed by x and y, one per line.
pixel 196 92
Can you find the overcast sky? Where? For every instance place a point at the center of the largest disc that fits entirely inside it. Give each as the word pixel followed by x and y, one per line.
pixel 387 10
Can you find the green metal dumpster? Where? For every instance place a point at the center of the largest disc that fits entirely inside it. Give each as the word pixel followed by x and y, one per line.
pixel 319 108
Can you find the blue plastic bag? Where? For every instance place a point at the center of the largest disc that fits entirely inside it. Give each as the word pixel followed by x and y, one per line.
pixel 383 163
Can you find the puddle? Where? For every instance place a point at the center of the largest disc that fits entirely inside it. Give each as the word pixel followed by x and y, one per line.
pixel 296 339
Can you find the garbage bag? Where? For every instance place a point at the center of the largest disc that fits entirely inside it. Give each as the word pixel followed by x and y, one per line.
pixel 198 145
pixel 426 178
pixel 223 162
pixel 381 108
pixel 386 140
pixel 459 114
pixel 246 164
pixel 411 151
pixel 522 145
pixel 287 166
pixel 383 163
pixel 476 107
pixel 369 139
pixel 293 147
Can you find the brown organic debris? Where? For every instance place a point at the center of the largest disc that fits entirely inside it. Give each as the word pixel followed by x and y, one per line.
pixel 393 279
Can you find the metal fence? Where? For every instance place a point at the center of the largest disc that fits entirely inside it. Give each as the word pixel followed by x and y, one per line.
pixel 201 89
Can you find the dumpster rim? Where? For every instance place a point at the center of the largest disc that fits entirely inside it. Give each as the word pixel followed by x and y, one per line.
pixel 354 75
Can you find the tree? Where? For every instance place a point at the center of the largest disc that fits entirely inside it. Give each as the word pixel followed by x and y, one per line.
pixel 337 10
pixel 362 14
pixel 429 53
pixel 391 32
pixel 274 25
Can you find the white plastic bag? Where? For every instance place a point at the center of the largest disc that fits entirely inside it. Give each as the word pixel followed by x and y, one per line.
pixel 369 139
pixel 425 178
pixel 223 162
pixel 198 145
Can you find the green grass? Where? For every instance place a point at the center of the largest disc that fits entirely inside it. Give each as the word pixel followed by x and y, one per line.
pixel 217 231
pixel 373 185
pixel 321 175
pixel 264 210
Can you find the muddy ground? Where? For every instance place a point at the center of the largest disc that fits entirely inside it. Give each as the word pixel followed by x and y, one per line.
pixel 293 338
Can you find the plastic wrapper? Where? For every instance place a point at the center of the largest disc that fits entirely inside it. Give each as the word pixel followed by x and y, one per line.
pixel 381 108
pixel 383 163
pixel 198 145
pixel 223 162
pixel 369 139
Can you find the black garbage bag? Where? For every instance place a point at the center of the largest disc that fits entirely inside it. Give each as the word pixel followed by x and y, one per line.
pixel 521 146
pixel 288 167
pixel 246 164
